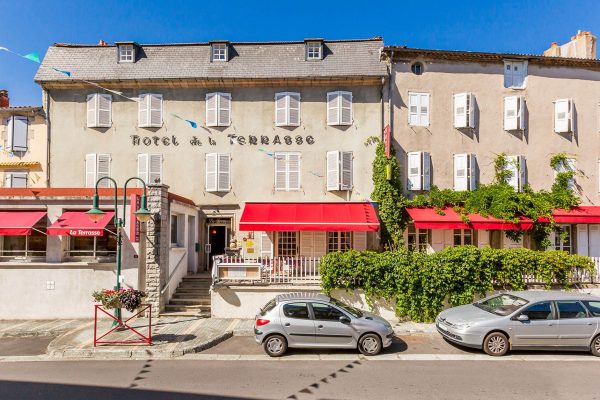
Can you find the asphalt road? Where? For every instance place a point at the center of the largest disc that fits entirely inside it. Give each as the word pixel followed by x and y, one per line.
pixel 193 379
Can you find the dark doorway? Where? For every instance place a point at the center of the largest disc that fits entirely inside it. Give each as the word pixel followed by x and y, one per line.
pixel 217 238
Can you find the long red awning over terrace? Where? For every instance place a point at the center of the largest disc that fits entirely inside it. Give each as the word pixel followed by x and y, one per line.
pixel 429 218
pixel 309 217
pixel 78 223
pixel 19 223
pixel 578 215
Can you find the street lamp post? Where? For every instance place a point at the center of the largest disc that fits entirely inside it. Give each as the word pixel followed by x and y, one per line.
pixel 142 215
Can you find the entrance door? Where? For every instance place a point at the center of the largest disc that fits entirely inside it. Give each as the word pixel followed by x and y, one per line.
pixel 217 239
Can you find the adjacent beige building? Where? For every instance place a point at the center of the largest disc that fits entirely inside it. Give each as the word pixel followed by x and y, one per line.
pixel 23 145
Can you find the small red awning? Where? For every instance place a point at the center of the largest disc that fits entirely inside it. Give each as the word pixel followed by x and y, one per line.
pixel 78 223
pixel 578 215
pixel 309 217
pixel 19 223
pixel 428 218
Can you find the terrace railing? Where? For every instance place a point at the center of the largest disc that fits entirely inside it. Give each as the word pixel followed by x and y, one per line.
pixel 275 270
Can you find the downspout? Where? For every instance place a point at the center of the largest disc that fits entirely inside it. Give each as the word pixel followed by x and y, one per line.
pixel 390 94
pixel 47 109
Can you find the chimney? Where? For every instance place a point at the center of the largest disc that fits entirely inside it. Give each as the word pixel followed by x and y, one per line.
pixel 101 43
pixel 582 45
pixel 4 103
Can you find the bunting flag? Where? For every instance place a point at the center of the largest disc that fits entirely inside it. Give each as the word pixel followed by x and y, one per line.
pixel 316 174
pixel 35 57
pixel 192 123
pixel 67 73
pixel 267 153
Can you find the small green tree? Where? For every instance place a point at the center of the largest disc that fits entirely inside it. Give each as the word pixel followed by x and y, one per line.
pixel 387 192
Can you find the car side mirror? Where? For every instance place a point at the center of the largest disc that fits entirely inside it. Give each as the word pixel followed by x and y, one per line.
pixel 344 319
pixel 522 317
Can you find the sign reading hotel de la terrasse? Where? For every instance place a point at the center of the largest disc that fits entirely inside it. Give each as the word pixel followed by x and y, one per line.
pixel 251 140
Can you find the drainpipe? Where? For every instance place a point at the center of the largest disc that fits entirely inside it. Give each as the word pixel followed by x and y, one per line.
pixel 390 94
pixel 47 109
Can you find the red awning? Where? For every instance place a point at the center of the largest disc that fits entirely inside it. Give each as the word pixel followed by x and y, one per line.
pixel 19 223
pixel 578 215
pixel 428 218
pixel 309 217
pixel 78 223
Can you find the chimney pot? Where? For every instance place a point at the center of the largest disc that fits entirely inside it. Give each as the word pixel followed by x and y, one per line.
pixel 4 101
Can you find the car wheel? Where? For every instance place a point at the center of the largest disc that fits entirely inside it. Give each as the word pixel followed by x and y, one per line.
pixel 369 344
pixel 275 345
pixel 496 344
pixel 595 347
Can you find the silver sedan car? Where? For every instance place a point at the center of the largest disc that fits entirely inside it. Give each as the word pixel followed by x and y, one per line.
pixel 312 320
pixel 525 320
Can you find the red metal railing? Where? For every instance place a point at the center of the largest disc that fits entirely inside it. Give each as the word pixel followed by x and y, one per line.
pixel 120 324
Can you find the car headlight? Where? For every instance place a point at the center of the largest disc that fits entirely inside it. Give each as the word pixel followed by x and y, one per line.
pixel 461 326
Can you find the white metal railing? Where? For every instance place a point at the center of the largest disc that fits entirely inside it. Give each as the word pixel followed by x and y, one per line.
pixel 277 270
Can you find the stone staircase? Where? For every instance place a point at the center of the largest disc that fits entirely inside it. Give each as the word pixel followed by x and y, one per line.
pixel 191 299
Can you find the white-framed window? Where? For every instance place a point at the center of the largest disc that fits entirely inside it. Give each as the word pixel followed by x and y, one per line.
pixel 418 239
pixel 314 50
pixel 218 52
pixel 32 245
pixel 563 116
pixel 464 110
pixel 150 110
pixel 418 109
pixel 104 246
pixel 465 172
pixel 339 170
pixel 99 110
pixel 514 113
pixel 177 230
pixel 419 170
pixel 567 166
pixel 287 109
pixel 517 167
pixel 287 244
pixel 561 238
pixel 150 168
pixel 339 108
pixel 463 237
pixel 16 139
pixel 218 172
pixel 339 241
pixel 15 179
pixel 218 109
pixel 515 74
pixel 126 53
pixel 287 171
pixel 97 166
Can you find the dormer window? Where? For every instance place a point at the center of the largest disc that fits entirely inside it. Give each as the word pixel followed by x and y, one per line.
pixel 219 52
pixel 126 53
pixel 314 50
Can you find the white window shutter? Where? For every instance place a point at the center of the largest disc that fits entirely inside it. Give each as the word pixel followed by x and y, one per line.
pixel 143 167
pixel 103 169
pixel 360 240
pixel 7 180
pixel 561 116
pixel 294 109
pixel 518 74
pixel 414 171
pixel 15 180
pixel 460 110
pixel 346 170
pixel 571 167
pixel 508 74
pixel 472 168
pixel 17 133
pixel 143 110
pixel 426 171
pixel 424 109
pixel 511 113
pixel 266 244
pixel 155 168
pixel 333 170
pixel 582 240
pixel 91 110
pixel 90 170
pixel 461 172
pixel 280 171
pixel 471 110
pixel 211 109
pixel 224 172
pixel 345 99
pixel 333 109
pixel 512 166
pixel 155 107
pixel 224 101
pixel 413 109
pixel 211 172
pixel 280 109
pixel 521 113
pixel 522 173
pixel 104 110
pixel 293 171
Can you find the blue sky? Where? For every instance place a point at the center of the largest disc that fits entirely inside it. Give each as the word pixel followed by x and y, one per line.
pixel 507 26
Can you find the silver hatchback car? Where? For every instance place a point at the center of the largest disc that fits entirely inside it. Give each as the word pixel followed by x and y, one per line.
pixel 313 320
pixel 525 320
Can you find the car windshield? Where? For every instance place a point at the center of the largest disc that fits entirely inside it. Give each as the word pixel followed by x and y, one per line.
pixel 355 312
pixel 503 304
